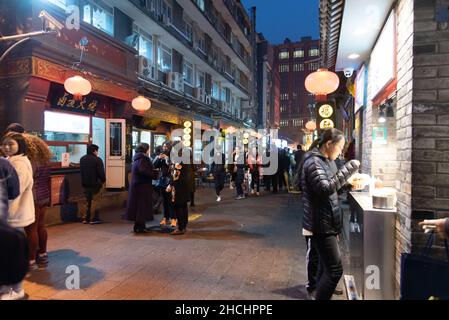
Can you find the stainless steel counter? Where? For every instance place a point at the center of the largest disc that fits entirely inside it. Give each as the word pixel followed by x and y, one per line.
pixel 372 245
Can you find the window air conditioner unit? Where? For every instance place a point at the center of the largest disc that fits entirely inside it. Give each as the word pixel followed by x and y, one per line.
pixel 208 99
pixel 175 80
pixel 146 69
pixel 199 94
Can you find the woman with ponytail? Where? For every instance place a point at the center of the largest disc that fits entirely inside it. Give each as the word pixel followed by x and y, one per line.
pixel 320 183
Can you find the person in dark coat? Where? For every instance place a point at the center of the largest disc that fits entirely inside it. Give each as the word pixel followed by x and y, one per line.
pixel 180 189
pixel 9 187
pixel 219 172
pixel 239 165
pixel 299 154
pixel 322 214
pixel 140 202
pixel 162 162
pixel 92 179
pixel 191 167
pixel 13 254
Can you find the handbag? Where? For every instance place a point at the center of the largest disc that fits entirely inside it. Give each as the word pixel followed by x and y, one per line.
pixel 422 276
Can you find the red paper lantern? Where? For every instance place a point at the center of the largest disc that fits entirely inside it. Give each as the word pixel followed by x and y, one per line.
pixel 77 86
pixel 141 103
pixel 322 82
pixel 311 125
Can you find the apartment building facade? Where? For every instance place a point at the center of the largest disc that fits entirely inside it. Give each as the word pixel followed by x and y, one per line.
pixel 294 62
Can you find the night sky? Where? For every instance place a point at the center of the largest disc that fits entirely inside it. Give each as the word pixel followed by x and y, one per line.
pixel 278 19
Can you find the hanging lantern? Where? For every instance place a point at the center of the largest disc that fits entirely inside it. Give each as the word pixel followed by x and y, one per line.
pixel 187 130
pixel 78 87
pixel 322 82
pixel 141 103
pixel 187 124
pixel 311 125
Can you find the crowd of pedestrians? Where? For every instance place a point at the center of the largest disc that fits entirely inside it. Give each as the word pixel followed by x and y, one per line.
pixel 321 173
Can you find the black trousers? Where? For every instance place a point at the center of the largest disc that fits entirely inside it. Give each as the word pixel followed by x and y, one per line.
pixel 314 270
pixel 219 178
pixel 274 182
pixel 240 178
pixel 330 262
pixel 255 180
pixel 182 214
pixel 167 204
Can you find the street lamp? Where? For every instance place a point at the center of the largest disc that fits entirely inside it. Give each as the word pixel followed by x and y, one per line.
pixel 50 26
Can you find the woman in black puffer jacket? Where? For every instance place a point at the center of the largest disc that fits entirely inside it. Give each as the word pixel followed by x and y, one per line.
pixel 322 215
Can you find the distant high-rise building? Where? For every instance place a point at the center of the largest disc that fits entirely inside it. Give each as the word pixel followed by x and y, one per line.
pixel 295 61
pixel 267 86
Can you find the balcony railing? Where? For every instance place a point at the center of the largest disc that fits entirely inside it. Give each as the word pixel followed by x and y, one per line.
pixel 207 58
pixel 213 19
pixel 234 9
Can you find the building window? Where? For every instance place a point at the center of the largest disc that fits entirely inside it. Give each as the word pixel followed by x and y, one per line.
pixel 314 52
pixel 298 54
pixel 283 55
pixel 284 109
pixel 99 15
pixel 215 90
pixel 188 73
pixel 284 68
pixel 188 30
pixel 200 4
pixel 60 3
pixel 200 79
pixel 164 57
pixel 167 11
pixel 284 123
pixel 284 96
pixel 66 133
pixel 314 66
pixel 297 122
pixel 145 44
pixel 298 67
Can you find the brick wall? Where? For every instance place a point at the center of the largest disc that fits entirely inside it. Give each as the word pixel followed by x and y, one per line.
pixel 430 168
pixel 405 12
pixel 392 161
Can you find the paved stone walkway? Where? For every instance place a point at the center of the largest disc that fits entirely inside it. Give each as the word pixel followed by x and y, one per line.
pixel 246 249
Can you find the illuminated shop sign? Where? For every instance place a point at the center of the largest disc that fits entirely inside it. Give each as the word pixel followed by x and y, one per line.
pixel 326 111
pixel 382 68
pixel 326 124
pixel 360 89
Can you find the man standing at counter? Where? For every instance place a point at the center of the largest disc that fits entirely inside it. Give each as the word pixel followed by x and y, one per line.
pixel 92 179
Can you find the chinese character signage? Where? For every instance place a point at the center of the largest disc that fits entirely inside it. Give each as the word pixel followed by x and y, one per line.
pixel 325 115
pixel 68 103
pixel 326 111
pixel 62 100
pixel 326 124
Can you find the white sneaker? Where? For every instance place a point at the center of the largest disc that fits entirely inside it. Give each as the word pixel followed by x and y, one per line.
pixel 218 199
pixel 12 295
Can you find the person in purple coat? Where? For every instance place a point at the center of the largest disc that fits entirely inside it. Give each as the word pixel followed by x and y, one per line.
pixel 140 202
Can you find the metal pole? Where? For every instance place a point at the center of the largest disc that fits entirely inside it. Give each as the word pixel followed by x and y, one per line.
pixel 26 35
pixel 12 47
